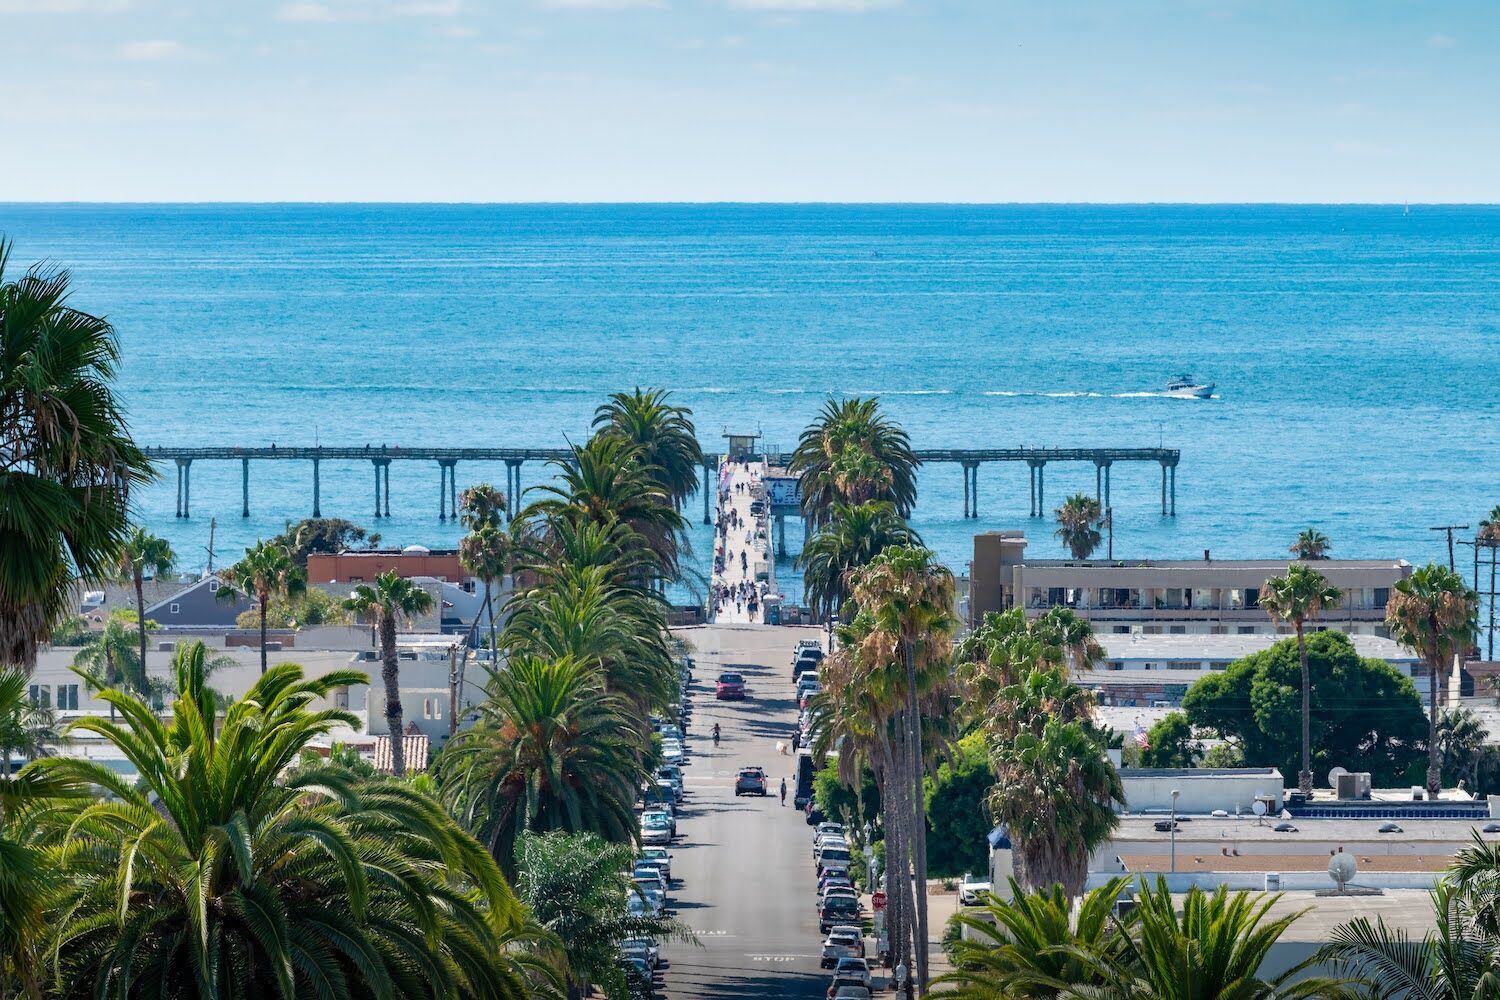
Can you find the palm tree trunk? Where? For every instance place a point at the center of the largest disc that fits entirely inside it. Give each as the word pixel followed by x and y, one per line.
pixel 389 673
pixel 140 617
pixel 1434 767
pixel 918 816
pixel 1304 777
pixel 489 605
pixel 265 599
pixel 896 899
pixel 110 679
pixel 900 813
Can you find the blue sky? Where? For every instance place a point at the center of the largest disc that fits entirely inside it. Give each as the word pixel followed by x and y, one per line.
pixel 778 100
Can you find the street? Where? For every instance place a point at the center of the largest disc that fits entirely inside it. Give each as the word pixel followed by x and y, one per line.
pixel 744 865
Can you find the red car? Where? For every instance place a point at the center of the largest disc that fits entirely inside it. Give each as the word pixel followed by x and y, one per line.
pixel 730 686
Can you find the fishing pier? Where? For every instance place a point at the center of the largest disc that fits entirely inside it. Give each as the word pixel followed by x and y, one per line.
pixel 382 457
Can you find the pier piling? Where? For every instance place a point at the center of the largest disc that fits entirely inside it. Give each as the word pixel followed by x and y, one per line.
pixel 244 487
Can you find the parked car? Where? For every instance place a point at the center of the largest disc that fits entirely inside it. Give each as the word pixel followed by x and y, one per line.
pixel 847 986
pixel 660 857
pixel 828 828
pixel 656 828
pixel 840 910
pixel 637 974
pixel 648 875
pixel 731 686
pixel 750 781
pixel 672 775
pixel 849 934
pixel 853 968
pixel 835 948
pixel 971 891
pixel 833 856
pixel 655 899
pixel 805 666
pixel 643 948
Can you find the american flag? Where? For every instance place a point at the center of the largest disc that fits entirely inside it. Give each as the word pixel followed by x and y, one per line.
pixel 1140 737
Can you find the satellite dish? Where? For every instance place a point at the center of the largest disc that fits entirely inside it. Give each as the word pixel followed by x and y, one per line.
pixel 1259 808
pixel 1341 869
pixel 1334 776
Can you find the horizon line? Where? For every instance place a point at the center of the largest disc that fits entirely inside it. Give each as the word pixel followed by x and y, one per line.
pixel 754 203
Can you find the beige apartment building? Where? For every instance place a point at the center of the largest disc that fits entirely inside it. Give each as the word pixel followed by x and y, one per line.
pixel 1168 596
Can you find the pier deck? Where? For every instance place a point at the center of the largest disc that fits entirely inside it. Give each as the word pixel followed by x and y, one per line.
pixel 745 539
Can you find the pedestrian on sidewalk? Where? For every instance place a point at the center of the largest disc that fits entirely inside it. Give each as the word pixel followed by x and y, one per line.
pixel 783 791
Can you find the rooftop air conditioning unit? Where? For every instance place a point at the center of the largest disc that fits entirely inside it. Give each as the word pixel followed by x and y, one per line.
pixel 273 647
pixel 1354 785
pixel 368 654
pixel 166 647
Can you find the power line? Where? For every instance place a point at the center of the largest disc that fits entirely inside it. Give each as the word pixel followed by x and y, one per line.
pixel 1450 529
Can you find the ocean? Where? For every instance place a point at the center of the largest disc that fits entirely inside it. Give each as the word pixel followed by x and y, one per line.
pixel 1354 350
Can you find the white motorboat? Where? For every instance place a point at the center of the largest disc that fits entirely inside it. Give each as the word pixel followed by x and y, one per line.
pixel 1183 386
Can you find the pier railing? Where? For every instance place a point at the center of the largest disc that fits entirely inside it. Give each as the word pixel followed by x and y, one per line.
pixel 381 456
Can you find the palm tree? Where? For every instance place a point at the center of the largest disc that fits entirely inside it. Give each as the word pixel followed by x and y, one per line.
pixel 222 871
pixel 486 552
pixel 28 880
pixel 859 425
pixel 1434 615
pixel 1457 960
pixel 1211 947
pixel 1056 789
pixel 605 481
pixel 1064 628
pixel 662 435
pixel 1311 544
pixel 393 599
pixel 268 572
pixel 908 598
pixel 853 535
pixel 576 887
pixel 110 657
pixel 480 505
pixel 141 554
pixel 1302 594
pixel 551 751
pixel 67 463
pixel 1078 521
pixel 1023 947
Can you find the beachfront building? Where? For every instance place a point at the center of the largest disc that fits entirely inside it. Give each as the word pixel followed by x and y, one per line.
pixel 1205 596
pixel 364 565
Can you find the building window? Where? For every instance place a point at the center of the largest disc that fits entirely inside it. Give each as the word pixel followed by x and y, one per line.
pixel 1151 630
pixel 1247 630
pixel 1219 630
pixel 174 609
pixel 1252 598
pixel 1177 630
pixel 1219 665
pixel 67 697
pixel 41 696
pixel 1121 630
pixel 213 586
pixel 1382 596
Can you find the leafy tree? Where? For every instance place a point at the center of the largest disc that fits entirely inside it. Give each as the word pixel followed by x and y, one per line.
pixel 1311 544
pixel 1434 615
pixel 1035 946
pixel 71 631
pixel 68 462
pixel 854 535
pixel 223 872
pixel 958 819
pixel 313 606
pixel 322 535
pixel 1056 788
pixel 392 600
pixel 1363 711
pixel 853 453
pixel 1223 755
pixel 662 434
pixel 551 751
pixel 267 572
pixel 1301 595
pixel 1170 743
pixel 576 887
pixel 1078 521
pixel 839 800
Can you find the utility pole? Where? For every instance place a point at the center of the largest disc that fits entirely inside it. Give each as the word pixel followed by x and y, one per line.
pixel 1109 522
pixel 1450 529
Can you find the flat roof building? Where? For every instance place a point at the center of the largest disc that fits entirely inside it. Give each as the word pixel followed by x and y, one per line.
pixel 1168 596
pixel 363 566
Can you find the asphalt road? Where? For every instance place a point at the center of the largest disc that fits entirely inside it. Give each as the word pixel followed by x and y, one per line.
pixel 743 866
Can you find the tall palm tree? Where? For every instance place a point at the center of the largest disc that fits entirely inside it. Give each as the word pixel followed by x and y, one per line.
pixel 1311 544
pixel 909 599
pixel 392 600
pixel 853 535
pixel 28 878
pixel 605 481
pixel 1078 521
pixel 481 504
pixel 68 462
pixel 1434 615
pixel 268 572
pixel 486 552
pixel 110 658
pixel 1302 594
pixel 1056 789
pixel 1023 947
pixel 662 434
pixel 551 751
pixel 223 871
pixel 1211 946
pixel 144 553
pixel 844 429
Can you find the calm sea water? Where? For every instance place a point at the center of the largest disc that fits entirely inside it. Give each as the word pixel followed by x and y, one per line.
pixel 1354 349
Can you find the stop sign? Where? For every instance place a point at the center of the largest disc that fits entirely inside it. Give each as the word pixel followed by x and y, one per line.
pixel 877 899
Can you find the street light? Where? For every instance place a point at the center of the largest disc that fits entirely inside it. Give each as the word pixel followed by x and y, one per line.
pixel 832 621
pixel 1175 793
